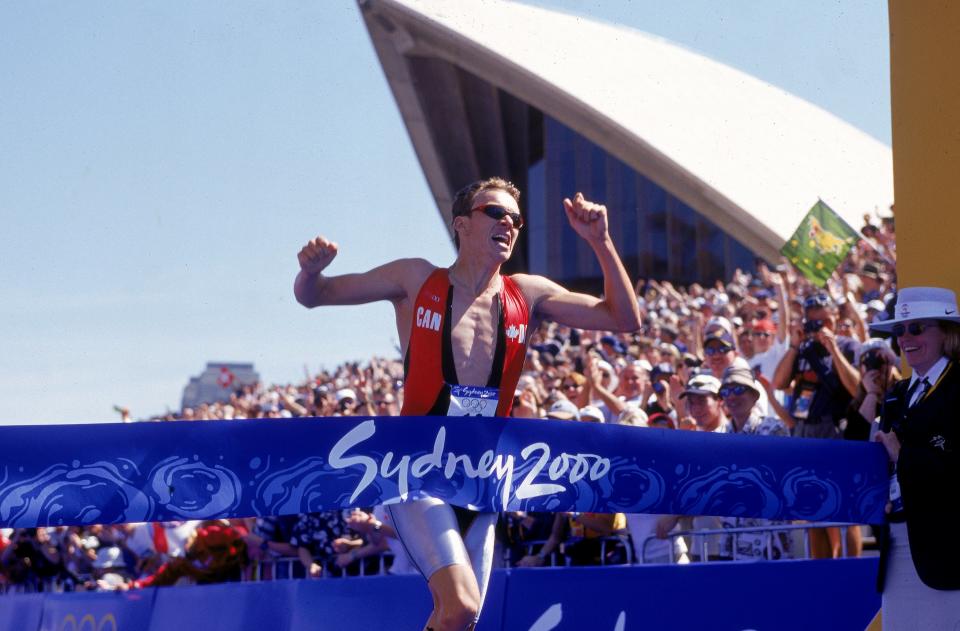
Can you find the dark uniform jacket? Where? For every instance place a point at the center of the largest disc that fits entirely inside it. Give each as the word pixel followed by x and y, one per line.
pixel 929 474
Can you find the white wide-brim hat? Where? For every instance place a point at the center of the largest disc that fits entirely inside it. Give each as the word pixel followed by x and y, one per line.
pixel 921 303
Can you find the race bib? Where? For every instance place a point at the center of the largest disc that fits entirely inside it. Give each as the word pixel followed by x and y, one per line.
pixel 473 401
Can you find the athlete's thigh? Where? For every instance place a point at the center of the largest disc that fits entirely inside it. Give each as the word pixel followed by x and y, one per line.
pixel 429 532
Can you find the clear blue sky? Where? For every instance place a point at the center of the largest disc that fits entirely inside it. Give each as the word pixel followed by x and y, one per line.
pixel 162 163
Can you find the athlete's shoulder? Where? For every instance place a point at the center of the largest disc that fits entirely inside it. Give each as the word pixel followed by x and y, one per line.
pixel 415 265
pixel 415 270
pixel 532 281
pixel 535 287
pixel 407 274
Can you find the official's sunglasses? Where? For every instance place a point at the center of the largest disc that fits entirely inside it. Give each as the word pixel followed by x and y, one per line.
pixel 913 328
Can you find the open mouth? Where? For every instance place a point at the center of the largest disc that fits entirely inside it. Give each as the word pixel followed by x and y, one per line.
pixel 503 239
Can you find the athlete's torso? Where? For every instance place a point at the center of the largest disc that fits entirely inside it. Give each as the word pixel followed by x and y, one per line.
pixel 437 382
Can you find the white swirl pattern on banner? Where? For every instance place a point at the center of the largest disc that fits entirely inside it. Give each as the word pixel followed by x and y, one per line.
pixel 100 492
pixel 192 489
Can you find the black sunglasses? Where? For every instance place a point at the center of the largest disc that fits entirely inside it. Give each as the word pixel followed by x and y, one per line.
pixel 710 351
pixel 497 212
pixel 737 389
pixel 760 334
pixel 914 328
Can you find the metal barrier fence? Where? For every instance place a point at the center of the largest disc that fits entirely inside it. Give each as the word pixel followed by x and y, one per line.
pixel 734 533
pixel 612 547
pixel 284 568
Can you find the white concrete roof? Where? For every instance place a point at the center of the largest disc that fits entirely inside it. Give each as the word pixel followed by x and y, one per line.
pixel 749 155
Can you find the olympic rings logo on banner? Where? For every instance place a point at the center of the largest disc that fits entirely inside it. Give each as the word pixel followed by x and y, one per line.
pixel 88 623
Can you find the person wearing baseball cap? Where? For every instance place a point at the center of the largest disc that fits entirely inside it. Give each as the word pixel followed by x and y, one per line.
pixel 768 347
pixel 592 413
pixel 719 346
pixel 872 281
pixel 920 432
pixel 564 410
pixel 702 398
pixel 702 395
pixel 721 353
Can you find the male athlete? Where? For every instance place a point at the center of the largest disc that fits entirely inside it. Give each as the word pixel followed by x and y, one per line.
pixel 463 331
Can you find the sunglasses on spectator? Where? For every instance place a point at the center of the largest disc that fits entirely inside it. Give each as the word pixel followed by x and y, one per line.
pixel 738 389
pixel 913 328
pixel 760 334
pixel 497 212
pixel 817 301
pixel 569 386
pixel 710 351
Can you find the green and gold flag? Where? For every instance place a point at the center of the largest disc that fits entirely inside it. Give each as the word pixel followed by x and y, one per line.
pixel 820 243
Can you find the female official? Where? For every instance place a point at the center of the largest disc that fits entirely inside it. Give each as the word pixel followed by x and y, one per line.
pixel 920 430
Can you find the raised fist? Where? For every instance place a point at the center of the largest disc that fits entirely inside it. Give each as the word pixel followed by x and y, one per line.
pixel 589 220
pixel 316 255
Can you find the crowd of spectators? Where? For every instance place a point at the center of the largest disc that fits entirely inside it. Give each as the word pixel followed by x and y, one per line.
pixel 767 353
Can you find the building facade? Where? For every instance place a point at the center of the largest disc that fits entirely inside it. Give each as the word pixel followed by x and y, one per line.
pixel 703 168
pixel 217 382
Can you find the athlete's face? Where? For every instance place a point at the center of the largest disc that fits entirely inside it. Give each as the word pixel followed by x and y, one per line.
pixel 486 234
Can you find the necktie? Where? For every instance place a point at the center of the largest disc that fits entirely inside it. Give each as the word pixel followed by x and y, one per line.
pixel 921 392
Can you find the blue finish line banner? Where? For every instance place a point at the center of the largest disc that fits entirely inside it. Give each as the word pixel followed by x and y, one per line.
pixel 113 473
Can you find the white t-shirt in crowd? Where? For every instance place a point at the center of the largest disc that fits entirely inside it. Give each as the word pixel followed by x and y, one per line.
pixel 767 362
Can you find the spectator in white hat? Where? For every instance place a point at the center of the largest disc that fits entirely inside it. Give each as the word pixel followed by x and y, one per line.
pixel 564 410
pixel 346 402
pixel 592 413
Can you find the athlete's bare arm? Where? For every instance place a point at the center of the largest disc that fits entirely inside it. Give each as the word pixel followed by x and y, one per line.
pixel 393 281
pixel 617 310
